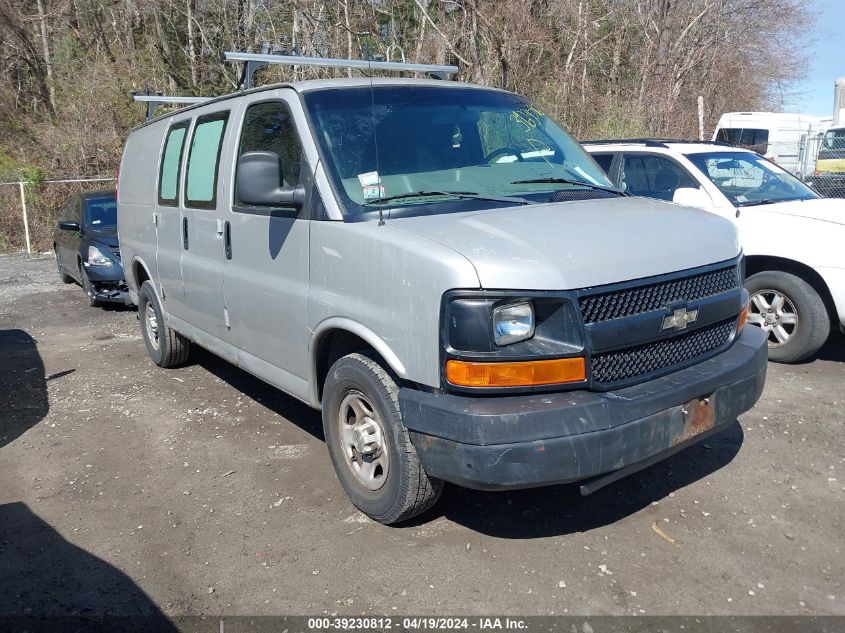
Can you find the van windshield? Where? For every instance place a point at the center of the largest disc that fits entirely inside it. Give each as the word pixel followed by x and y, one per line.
pixel 749 179
pixel 391 141
pixel 832 145
pixel 755 139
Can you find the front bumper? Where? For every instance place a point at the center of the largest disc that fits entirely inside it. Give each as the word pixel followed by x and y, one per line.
pixel 499 443
pixel 109 284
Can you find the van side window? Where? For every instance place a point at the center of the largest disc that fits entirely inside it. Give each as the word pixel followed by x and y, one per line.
pixel 203 161
pixel 269 127
pixel 171 159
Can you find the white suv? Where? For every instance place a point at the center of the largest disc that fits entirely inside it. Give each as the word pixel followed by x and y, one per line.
pixel 793 239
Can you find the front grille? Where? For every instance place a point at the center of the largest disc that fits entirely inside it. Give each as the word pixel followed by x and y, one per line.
pixel 630 301
pixel 628 363
pixel 115 251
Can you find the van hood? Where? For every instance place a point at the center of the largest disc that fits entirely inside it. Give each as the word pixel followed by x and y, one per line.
pixel 570 245
pixel 823 209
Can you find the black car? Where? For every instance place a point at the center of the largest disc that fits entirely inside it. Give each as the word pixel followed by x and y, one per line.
pixel 86 247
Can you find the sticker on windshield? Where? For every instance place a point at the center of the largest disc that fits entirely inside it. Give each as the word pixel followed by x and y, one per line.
pixel 741 198
pixel 371 187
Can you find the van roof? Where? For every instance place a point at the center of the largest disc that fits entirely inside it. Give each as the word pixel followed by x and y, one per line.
pixel 311 85
pixel 738 117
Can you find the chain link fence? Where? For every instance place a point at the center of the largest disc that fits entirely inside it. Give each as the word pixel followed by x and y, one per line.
pixel 29 210
pixel 813 159
pixel 828 174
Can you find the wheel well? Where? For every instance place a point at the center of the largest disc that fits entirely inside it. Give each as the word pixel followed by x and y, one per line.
pixel 140 273
pixel 760 263
pixel 335 344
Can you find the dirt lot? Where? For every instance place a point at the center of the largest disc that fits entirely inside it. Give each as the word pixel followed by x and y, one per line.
pixel 130 489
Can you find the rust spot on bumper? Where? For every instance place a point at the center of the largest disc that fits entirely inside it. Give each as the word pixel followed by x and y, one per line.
pixel 699 416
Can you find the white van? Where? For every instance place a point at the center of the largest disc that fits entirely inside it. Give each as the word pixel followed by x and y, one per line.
pixel 781 137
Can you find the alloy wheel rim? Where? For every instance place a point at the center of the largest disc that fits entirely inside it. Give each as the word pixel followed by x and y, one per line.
pixel 363 440
pixel 151 324
pixel 775 313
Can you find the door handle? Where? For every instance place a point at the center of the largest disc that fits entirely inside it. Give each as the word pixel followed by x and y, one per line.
pixel 185 233
pixel 227 239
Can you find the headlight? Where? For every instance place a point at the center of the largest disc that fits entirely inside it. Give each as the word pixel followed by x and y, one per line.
pixel 96 257
pixel 513 323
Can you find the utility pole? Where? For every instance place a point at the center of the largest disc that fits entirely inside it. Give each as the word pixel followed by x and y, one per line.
pixel 700 118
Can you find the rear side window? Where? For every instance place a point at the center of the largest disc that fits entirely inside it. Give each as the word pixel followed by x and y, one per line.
pixel 269 127
pixel 204 160
pixel 653 176
pixel 168 178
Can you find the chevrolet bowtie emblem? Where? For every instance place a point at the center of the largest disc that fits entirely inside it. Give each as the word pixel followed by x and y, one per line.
pixel 679 319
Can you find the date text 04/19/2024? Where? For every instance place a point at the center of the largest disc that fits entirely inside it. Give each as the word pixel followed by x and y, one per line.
pixel 426 623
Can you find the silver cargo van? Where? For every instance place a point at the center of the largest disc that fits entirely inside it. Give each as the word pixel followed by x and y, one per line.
pixel 446 274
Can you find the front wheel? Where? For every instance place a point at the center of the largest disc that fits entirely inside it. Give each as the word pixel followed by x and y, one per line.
pixel 166 347
pixel 369 445
pixel 791 313
pixel 88 287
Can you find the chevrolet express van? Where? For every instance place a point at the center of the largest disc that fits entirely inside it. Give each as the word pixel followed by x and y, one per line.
pixel 498 324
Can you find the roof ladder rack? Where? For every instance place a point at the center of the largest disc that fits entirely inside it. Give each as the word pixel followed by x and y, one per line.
pixel 154 101
pixel 254 61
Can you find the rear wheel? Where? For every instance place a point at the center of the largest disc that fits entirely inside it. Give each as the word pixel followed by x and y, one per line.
pixel 166 347
pixel 369 445
pixel 791 313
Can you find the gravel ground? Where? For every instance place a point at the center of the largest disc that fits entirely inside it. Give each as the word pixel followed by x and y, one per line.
pixel 129 489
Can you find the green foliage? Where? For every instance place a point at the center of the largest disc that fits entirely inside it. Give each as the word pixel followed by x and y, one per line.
pixel 8 166
pixel 33 179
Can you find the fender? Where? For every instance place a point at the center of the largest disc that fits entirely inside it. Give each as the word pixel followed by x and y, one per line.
pixel 132 282
pixel 359 330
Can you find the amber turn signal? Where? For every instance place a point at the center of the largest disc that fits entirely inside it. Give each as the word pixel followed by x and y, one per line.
pixel 743 317
pixel 520 374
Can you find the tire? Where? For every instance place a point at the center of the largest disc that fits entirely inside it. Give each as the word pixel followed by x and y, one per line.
pixel 66 279
pixel 784 304
pixel 405 490
pixel 88 287
pixel 166 347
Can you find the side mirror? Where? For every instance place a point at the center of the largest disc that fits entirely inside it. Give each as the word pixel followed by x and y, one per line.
pixel 259 179
pixel 690 197
pixel 68 225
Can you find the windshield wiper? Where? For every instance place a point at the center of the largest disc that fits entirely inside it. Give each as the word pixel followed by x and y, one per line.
pixel 456 194
pixel 567 181
pixel 755 203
